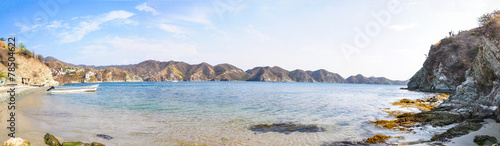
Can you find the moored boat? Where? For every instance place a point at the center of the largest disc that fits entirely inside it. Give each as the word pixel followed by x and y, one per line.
pixel 91 88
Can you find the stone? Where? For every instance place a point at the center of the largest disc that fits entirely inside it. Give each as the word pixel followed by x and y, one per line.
pixel 75 144
pixel 51 140
pixel 16 142
pixel 107 137
pixel 482 139
pixel 96 144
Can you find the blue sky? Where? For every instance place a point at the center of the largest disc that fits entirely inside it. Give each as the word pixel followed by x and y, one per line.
pixel 371 37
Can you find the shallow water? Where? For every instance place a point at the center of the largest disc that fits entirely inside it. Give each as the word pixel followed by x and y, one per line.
pixel 218 113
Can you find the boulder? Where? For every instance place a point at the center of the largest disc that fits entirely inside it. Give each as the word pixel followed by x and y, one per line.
pixel 16 142
pixel 96 144
pixel 51 140
pixel 75 144
pixel 482 139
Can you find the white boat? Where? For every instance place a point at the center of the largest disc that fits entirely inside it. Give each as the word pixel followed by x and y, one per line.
pixel 91 88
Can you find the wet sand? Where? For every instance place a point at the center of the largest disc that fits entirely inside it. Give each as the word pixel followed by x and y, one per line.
pixel 490 127
pixel 25 129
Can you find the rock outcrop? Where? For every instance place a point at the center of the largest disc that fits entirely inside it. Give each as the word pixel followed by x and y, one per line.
pixel 16 142
pixel 444 69
pixel 468 65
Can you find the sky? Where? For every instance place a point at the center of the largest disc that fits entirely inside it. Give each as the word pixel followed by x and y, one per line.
pixel 388 38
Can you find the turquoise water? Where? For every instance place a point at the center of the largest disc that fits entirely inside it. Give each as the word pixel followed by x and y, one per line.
pixel 218 113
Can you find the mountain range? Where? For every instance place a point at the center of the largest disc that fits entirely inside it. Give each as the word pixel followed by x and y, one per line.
pixel 152 70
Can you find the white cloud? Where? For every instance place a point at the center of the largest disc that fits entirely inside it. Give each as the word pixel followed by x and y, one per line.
pixel 260 35
pixel 26 28
pixel 54 24
pixel 144 7
pixel 403 27
pixel 93 24
pixel 201 18
pixel 171 28
pixel 178 32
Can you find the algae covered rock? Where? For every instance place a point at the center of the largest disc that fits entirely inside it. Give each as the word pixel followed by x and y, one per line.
pixel 16 142
pixel 482 139
pixel 51 140
pixel 96 144
pixel 75 144
pixel 379 138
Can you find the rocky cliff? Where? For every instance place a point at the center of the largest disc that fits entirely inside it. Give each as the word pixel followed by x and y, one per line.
pixel 444 69
pixel 467 64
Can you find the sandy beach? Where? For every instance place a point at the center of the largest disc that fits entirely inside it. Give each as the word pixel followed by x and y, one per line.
pixel 27 98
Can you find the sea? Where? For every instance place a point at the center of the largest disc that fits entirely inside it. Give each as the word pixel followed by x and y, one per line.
pixel 221 113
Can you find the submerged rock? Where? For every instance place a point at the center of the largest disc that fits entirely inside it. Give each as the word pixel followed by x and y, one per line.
pixel 286 128
pixel 482 139
pixel 51 140
pixel 16 142
pixel 107 137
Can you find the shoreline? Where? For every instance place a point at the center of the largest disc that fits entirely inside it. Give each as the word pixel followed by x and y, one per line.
pixel 32 130
pixel 25 126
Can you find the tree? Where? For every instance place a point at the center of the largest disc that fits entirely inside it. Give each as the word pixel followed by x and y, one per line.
pixel 484 19
pixel 487 22
pixel 40 57
pixel 2 39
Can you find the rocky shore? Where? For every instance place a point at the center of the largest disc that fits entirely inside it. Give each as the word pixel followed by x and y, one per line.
pixel 467 65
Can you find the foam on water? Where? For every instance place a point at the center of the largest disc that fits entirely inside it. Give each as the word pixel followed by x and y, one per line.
pixel 163 113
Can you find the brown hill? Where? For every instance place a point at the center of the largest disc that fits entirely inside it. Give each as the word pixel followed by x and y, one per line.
pixel 360 79
pixel 30 68
pixel 228 72
pixel 262 74
pixel 301 76
pixel 327 77
pixel 152 70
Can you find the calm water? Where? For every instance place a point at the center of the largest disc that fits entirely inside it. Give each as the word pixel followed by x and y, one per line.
pixel 218 113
